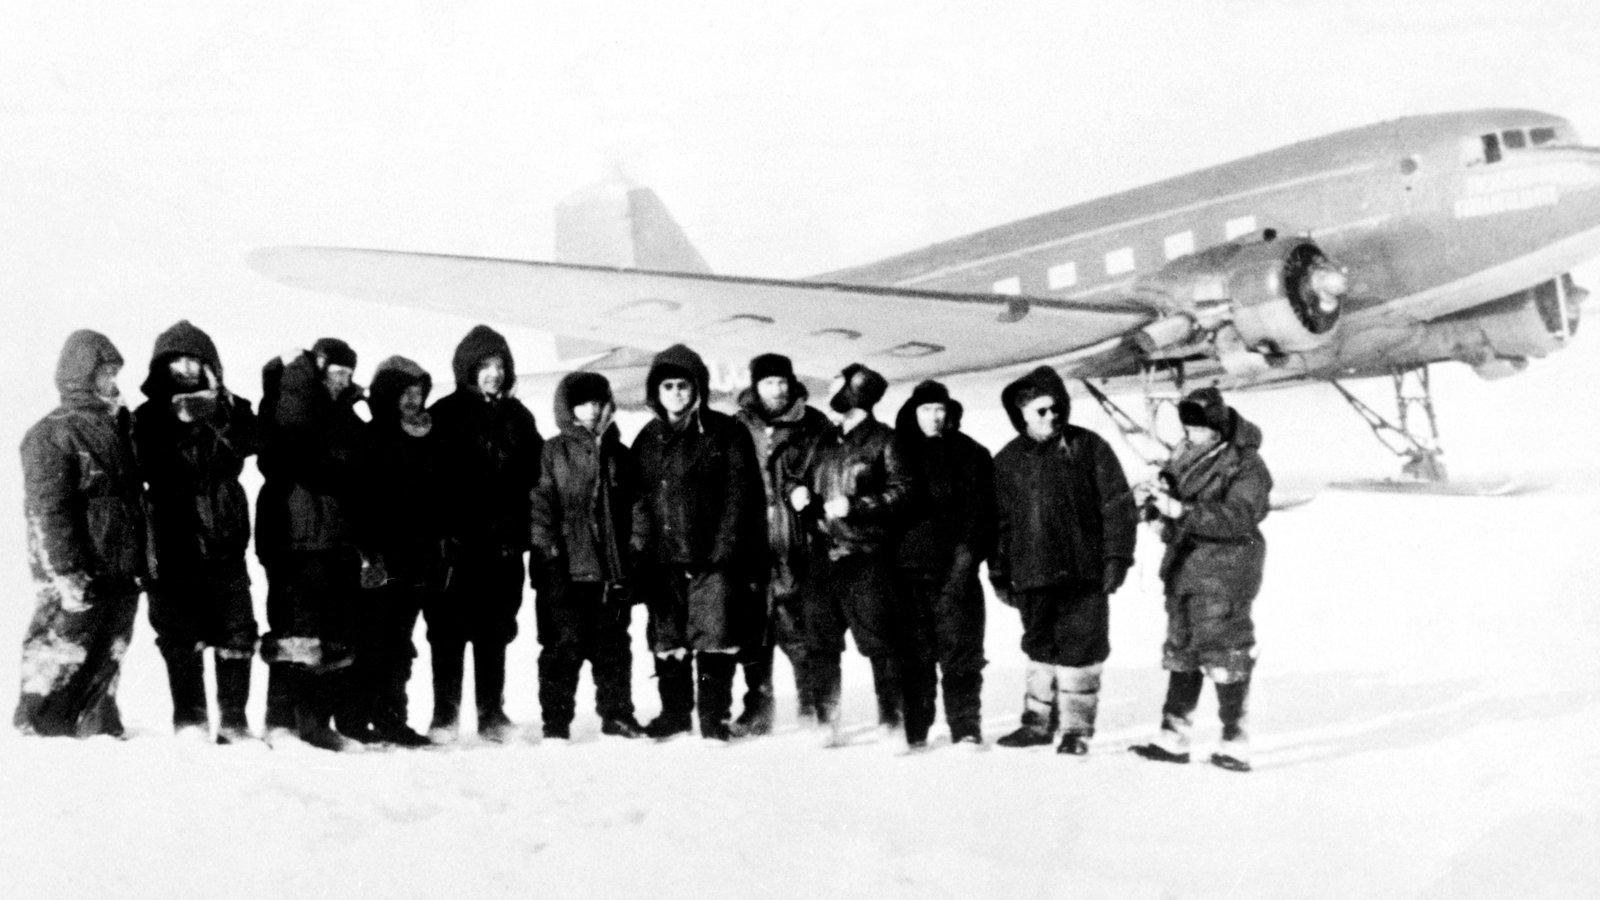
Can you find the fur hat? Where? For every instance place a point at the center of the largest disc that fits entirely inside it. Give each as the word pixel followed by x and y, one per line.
pixel 588 387
pixel 335 351
pixel 1204 407
pixel 862 389
pixel 771 365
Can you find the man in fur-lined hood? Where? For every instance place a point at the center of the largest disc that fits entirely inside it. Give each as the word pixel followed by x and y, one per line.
pixel 1211 498
pixel 699 526
pixel 193 436
pixel 86 547
pixel 1066 530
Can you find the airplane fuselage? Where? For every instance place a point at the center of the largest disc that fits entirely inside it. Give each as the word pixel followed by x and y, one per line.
pixel 1430 217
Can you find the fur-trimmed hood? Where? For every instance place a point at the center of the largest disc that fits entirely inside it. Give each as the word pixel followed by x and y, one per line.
pixel 182 339
pixel 84 352
pixel 1045 379
pixel 905 422
pixel 389 383
pixel 676 359
pixel 481 343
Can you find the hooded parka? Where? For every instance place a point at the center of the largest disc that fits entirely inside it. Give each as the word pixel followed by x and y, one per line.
pixel 582 514
pixel 949 529
pixel 1064 506
pixel 192 442
pixel 1215 553
pixel 700 509
pixel 86 550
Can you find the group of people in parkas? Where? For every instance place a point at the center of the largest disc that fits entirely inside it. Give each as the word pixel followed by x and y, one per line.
pixel 779 527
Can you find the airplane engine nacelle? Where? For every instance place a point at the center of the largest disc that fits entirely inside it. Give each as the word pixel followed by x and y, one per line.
pixel 1499 338
pixel 1281 295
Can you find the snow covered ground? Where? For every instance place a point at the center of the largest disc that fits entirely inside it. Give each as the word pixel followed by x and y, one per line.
pixel 1427 720
pixel 1427 708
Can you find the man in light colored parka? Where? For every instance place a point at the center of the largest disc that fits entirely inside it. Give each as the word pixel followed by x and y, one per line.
pixel 86 547
pixel 1211 498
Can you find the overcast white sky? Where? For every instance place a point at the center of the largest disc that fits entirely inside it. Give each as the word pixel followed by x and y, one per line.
pixel 144 148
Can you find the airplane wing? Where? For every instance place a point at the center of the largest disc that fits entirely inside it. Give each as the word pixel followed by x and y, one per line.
pixel 905 334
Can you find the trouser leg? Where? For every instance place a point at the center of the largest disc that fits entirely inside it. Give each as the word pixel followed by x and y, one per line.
pixel 714 693
pixel 788 630
pixel 1232 708
pixel 558 688
pixel 489 682
pixel 1177 712
pixel 449 665
pixel 186 678
pixel 233 690
pixel 888 683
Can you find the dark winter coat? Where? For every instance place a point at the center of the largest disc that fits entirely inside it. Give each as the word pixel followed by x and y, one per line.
pixel 701 502
pixel 949 518
pixel 1215 547
pixel 784 444
pixel 865 466
pixel 313 456
pixel 400 511
pixel 489 450
pixel 83 492
pixel 198 508
pixel 1063 506
pixel 583 504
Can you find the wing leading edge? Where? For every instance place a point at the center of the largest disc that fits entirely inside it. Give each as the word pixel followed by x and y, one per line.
pixel 905 334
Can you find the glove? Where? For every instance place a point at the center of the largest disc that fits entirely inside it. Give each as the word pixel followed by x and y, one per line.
pixel 194 407
pixel 1116 572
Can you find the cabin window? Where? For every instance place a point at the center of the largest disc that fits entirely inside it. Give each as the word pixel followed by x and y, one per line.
pixel 1491 148
pixel 1180 244
pixel 1542 135
pixel 1119 261
pixel 1063 276
pixel 1409 165
pixel 1514 139
pixel 1011 286
pixel 1238 227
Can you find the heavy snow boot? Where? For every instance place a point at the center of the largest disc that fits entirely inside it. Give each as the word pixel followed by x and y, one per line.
pixel 233 692
pixel 390 713
pixel 714 694
pixel 756 718
pixel 1078 695
pixel 1177 720
pixel 1038 709
pixel 558 689
pixel 280 698
pixel 449 667
pixel 613 692
pixel 315 697
pixel 489 688
pixel 963 706
pixel 186 675
pixel 823 676
pixel 921 700
pixel 1232 707
pixel 887 683
pixel 675 682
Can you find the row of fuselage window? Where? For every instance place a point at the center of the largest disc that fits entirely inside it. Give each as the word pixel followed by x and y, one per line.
pixel 1122 261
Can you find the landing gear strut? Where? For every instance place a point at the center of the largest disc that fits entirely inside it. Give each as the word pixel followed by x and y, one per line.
pixel 1420 451
pixel 1142 438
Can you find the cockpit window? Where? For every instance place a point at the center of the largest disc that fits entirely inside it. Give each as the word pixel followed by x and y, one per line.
pixel 1542 135
pixel 1514 138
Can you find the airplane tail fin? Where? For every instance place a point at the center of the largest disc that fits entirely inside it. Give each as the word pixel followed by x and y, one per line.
pixel 617 223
